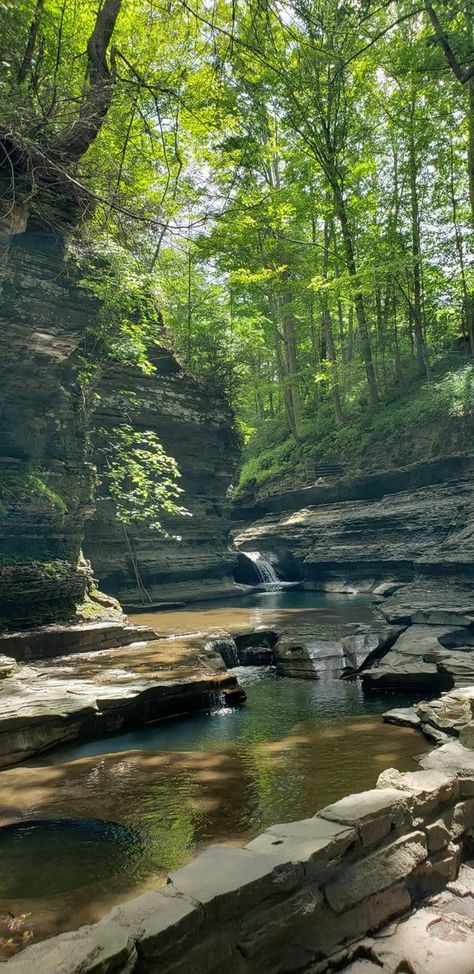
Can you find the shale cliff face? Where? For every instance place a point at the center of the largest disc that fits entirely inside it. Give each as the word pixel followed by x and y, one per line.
pixel 410 536
pixel 195 426
pixel 46 479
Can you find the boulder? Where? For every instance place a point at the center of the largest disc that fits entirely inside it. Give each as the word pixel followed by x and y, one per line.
pixel 227 881
pixel 311 652
pixel 403 716
pixel 104 948
pixel 418 658
pixel 425 790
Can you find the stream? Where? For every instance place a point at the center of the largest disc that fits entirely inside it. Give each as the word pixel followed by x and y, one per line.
pixel 96 823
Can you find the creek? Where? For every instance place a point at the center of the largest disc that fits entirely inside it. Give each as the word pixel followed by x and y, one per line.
pixel 153 797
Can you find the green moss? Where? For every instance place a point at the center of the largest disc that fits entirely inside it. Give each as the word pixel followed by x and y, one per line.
pixel 31 487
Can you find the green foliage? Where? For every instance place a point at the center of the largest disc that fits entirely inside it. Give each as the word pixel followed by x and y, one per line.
pixel 30 487
pixel 141 478
pixel 416 425
pixel 127 321
pixel 289 187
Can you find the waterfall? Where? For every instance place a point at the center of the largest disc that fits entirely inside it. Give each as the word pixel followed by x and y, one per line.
pixel 267 575
pixel 226 646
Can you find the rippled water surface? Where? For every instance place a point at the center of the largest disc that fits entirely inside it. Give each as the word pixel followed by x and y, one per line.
pixel 179 785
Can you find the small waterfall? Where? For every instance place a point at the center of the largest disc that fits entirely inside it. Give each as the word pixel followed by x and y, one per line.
pixel 267 575
pixel 226 646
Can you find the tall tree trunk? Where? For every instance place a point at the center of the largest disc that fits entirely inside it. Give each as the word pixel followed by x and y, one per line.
pixel 467 298
pixel 27 58
pixel 421 355
pixel 328 329
pixel 358 297
pixel 289 335
pixel 72 142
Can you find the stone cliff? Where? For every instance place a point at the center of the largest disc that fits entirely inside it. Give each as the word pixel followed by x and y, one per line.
pixel 415 534
pixel 195 426
pixel 46 479
pixel 47 468
pixel 413 549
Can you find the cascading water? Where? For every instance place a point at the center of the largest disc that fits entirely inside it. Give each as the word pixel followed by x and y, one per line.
pixel 226 646
pixel 267 575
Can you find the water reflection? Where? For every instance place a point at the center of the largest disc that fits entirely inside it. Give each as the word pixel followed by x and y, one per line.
pixel 224 777
pixel 262 609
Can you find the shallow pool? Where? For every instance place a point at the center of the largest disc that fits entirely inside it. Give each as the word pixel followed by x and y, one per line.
pixel 175 787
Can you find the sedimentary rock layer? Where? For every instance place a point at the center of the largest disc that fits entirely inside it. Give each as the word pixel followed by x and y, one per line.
pixel 425 533
pixel 195 426
pixel 45 475
pixel 92 692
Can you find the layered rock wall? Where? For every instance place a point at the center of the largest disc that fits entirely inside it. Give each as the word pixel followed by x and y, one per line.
pixel 424 533
pixel 46 479
pixel 195 426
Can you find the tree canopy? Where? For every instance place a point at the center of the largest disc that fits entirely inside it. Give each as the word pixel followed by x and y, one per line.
pixel 293 182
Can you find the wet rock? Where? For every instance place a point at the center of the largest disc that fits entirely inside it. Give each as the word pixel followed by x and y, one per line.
pixel 404 716
pixel 366 646
pixel 311 652
pixel 417 658
pixel 387 588
pixel 85 695
pixel 59 640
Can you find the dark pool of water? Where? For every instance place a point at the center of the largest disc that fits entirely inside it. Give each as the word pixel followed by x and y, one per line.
pixel 50 857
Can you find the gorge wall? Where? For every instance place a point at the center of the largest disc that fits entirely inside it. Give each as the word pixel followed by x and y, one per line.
pixel 195 426
pixel 47 467
pixel 46 478
pixel 418 535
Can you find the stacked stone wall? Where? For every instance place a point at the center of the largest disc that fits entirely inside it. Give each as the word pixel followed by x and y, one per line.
pixel 293 899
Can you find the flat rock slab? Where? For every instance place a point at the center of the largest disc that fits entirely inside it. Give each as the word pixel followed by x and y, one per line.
pixel 99 949
pixel 403 716
pixel 58 640
pixel 425 790
pixel 226 881
pixel 373 813
pixel 308 841
pixel 90 694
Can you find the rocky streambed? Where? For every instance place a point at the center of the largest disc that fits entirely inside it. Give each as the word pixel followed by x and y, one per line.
pixel 299 743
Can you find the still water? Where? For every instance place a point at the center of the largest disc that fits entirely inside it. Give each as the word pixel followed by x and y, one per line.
pixel 164 792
